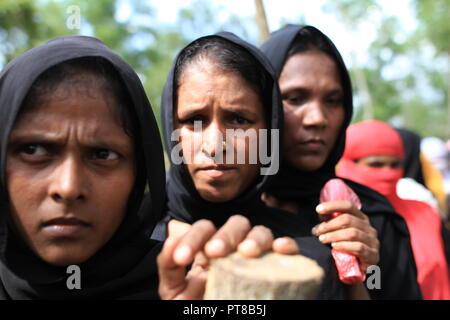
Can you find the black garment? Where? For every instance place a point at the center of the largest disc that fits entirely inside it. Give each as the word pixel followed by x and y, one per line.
pixel 398 271
pixel 126 266
pixel 412 166
pixel 185 204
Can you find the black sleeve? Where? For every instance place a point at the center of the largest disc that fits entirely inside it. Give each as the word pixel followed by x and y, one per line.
pixel 397 266
pixel 159 233
pixel 332 288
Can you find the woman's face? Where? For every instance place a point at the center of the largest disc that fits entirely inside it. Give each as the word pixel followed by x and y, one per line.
pixel 221 101
pixel 313 108
pixel 70 170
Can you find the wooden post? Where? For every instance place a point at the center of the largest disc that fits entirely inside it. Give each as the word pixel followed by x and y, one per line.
pixel 272 276
pixel 261 20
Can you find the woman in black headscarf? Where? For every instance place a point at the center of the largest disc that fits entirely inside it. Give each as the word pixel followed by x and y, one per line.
pixel 233 67
pixel 317 101
pixel 78 145
pixel 185 203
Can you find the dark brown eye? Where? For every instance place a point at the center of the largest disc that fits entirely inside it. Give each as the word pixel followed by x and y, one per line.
pixel 105 154
pixel 239 120
pixel 33 150
pixel 192 120
pixel 396 165
pixel 334 101
pixel 376 164
pixel 294 99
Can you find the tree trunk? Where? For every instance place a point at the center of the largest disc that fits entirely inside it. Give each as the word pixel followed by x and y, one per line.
pixel 363 90
pixel 270 277
pixel 261 20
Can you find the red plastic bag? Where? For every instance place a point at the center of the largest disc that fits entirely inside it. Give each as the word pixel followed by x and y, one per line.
pixel 347 264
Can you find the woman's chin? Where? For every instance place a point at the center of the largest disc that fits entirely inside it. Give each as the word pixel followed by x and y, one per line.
pixel 307 163
pixel 217 195
pixel 64 258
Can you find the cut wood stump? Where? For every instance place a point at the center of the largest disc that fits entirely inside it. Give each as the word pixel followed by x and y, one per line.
pixel 272 276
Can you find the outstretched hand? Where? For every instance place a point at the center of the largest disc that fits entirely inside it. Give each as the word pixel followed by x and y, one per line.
pixel 202 242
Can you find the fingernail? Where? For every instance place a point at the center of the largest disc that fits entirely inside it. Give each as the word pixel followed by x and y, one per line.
pixel 182 254
pixel 320 208
pixel 315 229
pixel 282 241
pixel 248 245
pixel 333 244
pixel 322 237
pixel 216 245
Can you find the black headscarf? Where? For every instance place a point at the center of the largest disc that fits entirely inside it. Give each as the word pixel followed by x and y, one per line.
pixel 412 166
pixel 126 266
pixel 303 188
pixel 185 204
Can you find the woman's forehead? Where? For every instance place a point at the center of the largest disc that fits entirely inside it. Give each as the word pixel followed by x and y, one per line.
pixel 67 105
pixel 77 88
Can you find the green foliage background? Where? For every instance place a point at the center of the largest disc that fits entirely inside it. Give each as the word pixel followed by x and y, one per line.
pixel 416 98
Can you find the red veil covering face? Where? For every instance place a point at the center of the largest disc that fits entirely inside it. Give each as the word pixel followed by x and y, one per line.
pixel 374 137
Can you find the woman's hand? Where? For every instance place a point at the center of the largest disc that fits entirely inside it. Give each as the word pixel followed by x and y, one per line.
pixel 351 231
pixel 201 243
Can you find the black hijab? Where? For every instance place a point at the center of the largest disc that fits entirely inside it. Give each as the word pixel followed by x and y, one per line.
pixel 412 166
pixel 303 188
pixel 126 266
pixel 185 204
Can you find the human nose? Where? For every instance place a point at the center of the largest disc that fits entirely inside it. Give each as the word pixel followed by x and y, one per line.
pixel 68 183
pixel 212 139
pixel 314 115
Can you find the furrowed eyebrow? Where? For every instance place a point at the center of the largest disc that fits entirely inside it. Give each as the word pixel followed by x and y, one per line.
pixel 336 91
pixel 241 112
pixel 52 140
pixel 189 112
pixel 38 138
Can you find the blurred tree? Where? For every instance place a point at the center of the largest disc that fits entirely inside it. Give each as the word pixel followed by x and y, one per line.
pixel 26 23
pixel 204 17
pixel 405 88
pixel 352 13
pixel 128 27
pixel 434 15
pixel 435 21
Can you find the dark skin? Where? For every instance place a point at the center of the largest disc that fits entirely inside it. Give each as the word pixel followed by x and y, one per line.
pixel 70 170
pixel 221 100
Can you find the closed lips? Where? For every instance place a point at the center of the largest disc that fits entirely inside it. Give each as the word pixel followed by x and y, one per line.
pixel 222 168
pixel 64 221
